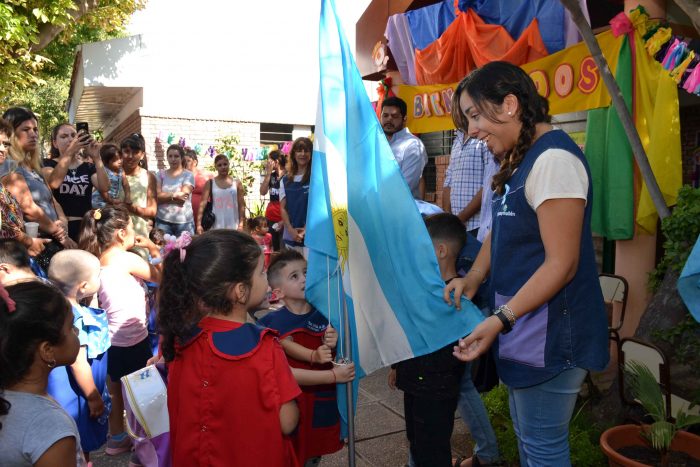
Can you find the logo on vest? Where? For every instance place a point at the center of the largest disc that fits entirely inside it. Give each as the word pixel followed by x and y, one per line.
pixel 504 207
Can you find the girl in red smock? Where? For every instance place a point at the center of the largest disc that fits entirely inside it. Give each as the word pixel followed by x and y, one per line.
pixel 230 390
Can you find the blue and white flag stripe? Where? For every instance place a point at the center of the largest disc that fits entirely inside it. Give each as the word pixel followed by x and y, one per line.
pixel 366 238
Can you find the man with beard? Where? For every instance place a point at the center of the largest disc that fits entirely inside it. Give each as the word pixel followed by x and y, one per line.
pixel 408 150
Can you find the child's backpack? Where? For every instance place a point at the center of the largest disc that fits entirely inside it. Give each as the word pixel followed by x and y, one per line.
pixel 147 420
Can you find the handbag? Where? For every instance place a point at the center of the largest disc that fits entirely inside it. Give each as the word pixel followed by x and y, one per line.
pixel 147 418
pixel 208 218
pixel 43 259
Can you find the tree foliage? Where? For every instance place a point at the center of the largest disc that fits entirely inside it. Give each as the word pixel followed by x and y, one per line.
pixel 37 47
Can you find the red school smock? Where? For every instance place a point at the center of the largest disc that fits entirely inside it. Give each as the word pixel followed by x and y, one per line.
pixel 319 421
pixel 225 390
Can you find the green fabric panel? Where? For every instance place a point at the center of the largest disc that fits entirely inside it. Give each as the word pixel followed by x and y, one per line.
pixel 610 159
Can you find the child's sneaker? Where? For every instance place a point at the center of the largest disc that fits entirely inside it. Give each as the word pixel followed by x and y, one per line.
pixel 115 447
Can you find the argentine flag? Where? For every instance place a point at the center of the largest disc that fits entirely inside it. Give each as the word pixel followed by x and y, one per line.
pixel 368 245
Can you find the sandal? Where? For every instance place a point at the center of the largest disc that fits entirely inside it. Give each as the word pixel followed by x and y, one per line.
pixel 459 460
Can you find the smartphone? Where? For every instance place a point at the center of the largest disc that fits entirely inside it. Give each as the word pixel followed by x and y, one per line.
pixel 82 126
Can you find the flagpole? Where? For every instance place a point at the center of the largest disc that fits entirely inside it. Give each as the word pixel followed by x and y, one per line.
pixel 348 387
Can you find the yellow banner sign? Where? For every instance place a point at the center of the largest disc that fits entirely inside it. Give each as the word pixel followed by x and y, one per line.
pixel 569 79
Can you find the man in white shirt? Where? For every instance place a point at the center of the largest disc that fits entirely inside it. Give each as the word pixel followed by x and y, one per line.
pixel 408 150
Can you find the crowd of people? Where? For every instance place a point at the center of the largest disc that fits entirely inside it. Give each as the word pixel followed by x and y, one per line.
pixel 251 367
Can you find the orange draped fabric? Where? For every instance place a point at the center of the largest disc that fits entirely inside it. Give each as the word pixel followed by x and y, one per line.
pixel 469 43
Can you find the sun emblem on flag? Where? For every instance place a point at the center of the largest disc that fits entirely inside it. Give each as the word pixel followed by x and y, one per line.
pixel 340 226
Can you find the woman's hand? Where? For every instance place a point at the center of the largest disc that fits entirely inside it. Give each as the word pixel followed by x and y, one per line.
pixel 199 229
pixel 81 141
pixel 467 285
pixel 179 198
pixel 68 243
pixel 37 246
pixel 93 149
pixel 58 230
pixel 298 234
pixel 479 341
pixel 269 167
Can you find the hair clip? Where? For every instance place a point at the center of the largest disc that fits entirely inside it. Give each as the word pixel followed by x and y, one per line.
pixel 97 215
pixel 179 243
pixel 11 305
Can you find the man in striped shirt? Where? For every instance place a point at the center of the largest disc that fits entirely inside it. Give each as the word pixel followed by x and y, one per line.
pixel 464 180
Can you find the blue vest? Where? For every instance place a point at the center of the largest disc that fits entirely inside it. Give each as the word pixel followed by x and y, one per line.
pixel 571 329
pixel 297 196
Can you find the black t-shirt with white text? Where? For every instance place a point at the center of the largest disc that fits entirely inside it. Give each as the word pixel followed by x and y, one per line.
pixel 75 192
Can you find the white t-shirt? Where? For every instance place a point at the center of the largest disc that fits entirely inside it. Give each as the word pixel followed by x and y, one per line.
pixel 556 174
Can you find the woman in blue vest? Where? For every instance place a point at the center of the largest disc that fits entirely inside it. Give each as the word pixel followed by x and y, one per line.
pixel 550 325
pixel 294 194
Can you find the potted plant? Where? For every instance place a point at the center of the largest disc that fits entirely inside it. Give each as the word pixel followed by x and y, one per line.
pixel 657 440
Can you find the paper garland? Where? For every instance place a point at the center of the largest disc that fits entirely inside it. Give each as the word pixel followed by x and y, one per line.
pixel 672 51
pixel 249 154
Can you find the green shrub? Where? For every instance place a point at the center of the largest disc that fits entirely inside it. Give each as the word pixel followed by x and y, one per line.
pixel 681 230
pixel 583 434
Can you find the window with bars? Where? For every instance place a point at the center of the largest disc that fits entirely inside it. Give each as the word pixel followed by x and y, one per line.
pixel 438 143
pixel 275 133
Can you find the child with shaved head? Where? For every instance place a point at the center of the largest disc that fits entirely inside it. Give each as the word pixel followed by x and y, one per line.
pixel 81 388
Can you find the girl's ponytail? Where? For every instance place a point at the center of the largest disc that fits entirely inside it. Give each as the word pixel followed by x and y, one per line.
pixel 99 227
pixel 87 239
pixel 177 311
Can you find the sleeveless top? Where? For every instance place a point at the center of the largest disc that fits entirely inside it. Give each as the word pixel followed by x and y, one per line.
pixel 571 329
pixel 138 185
pixel 225 206
pixel 41 194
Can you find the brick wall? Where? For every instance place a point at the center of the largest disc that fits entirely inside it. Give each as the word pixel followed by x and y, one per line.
pixel 441 163
pixel 203 132
pixel 690 134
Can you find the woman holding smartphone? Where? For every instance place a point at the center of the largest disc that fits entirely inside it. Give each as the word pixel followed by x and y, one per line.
pixel 70 176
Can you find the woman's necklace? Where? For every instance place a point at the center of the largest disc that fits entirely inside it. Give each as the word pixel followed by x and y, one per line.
pixel 73 170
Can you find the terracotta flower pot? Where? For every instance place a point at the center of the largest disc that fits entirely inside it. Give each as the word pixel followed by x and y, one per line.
pixel 630 435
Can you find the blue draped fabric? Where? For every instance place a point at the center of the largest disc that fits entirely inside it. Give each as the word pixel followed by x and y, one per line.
pixel 428 23
pixel 516 15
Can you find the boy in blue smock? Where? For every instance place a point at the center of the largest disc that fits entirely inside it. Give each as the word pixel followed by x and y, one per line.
pixel 81 388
